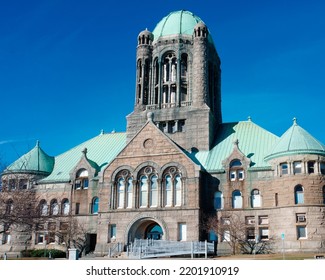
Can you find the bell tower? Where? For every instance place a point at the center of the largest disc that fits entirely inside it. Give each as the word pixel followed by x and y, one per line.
pixel 178 80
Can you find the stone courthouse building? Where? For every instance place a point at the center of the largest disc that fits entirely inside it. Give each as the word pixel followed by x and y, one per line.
pixel 178 162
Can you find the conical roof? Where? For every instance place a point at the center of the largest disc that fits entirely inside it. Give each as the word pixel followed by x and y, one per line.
pixel 36 160
pixel 296 141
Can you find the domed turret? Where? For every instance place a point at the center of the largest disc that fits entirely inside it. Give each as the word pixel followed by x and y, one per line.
pixel 145 37
pixel 35 161
pixel 296 141
pixel 201 30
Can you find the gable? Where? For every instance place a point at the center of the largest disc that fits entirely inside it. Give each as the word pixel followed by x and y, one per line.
pixel 151 146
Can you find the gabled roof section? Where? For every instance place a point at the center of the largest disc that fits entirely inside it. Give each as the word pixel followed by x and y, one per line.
pixel 101 149
pixel 152 144
pixel 254 142
pixel 296 141
pixel 36 160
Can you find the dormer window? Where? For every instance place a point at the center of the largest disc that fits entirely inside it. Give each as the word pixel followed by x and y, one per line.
pixel 236 172
pixel 82 180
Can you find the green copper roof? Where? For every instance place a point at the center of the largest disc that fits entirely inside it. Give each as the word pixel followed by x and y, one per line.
pixel 295 141
pixel 177 23
pixel 254 141
pixel 36 160
pixel 101 150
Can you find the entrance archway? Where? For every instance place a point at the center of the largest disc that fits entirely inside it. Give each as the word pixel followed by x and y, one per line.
pixel 146 228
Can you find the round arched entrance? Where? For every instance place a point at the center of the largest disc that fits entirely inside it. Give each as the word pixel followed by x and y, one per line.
pixel 146 228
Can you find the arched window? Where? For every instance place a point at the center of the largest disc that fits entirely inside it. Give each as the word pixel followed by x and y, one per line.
pixel 154 191
pixel 123 189
pixel 256 200
pixel 173 186
pixel 235 163
pixel 237 199
pixel 148 187
pixel 43 208
pixel 299 194
pixel 54 207
pixel 143 191
pixel 169 75
pixel 236 171
pixel 168 190
pixel 129 197
pixel 120 192
pixel 178 190
pixel 323 194
pixel 218 200
pixel 82 180
pixel 95 205
pixel 65 207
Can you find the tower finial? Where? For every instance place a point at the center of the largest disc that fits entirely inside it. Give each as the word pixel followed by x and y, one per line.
pixel 294 121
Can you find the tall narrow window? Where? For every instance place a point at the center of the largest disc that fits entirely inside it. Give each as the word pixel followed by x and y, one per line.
pixel 323 194
pixel 284 168
pixel 297 167
pixel 77 210
pixel 168 191
pixel 299 195
pixel 172 187
pixel 256 200
pixel 322 167
pixel 143 191
pixel 178 190
pixel 311 167
pixel 147 193
pixel 54 207
pixel 182 232
pixel 43 208
pixel 276 199
pixel 237 199
pixel 129 193
pixel 218 200
pixel 301 232
pixel 95 205
pixel 65 207
pixel 112 233
pixel 154 191
pixel 120 193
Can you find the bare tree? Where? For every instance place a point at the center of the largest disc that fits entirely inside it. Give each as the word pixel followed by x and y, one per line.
pixel 72 234
pixel 18 209
pixel 233 229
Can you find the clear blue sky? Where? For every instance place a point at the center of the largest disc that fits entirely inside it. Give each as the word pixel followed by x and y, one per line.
pixel 67 68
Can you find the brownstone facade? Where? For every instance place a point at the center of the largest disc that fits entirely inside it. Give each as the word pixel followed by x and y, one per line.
pixel 178 163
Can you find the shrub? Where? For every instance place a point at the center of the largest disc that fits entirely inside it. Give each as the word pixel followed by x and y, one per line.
pixel 43 253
